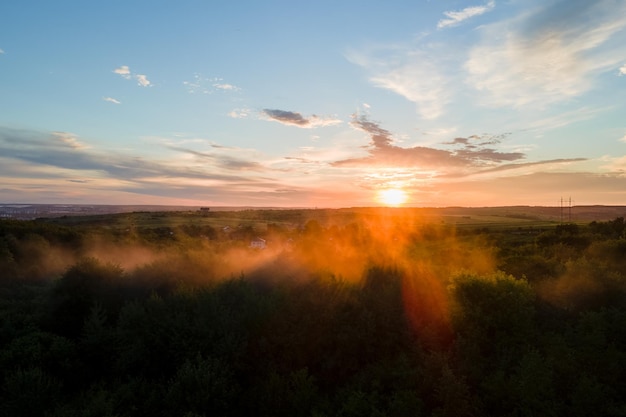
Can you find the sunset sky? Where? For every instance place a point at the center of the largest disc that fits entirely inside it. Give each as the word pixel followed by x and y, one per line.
pixel 313 103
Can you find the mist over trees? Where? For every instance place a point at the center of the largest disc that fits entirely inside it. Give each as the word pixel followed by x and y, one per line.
pixel 375 316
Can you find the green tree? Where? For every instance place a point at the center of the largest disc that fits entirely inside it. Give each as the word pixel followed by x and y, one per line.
pixel 85 283
pixel 29 392
pixel 493 317
pixel 203 386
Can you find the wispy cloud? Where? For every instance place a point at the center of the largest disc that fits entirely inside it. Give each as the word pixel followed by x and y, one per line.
pixel 223 159
pixel 226 87
pixel 63 150
pixel 203 85
pixel 239 113
pixel 36 161
pixel 124 71
pixel 622 70
pixel 111 100
pixel 296 119
pixel 1 51
pixel 420 83
pixel 554 121
pixel 550 55
pixel 525 165
pixel 457 17
pixel 615 164
pixel 416 73
pixel 68 139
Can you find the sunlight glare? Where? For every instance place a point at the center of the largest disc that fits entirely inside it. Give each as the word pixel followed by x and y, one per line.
pixel 392 196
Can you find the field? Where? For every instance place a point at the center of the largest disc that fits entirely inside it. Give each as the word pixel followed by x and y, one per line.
pixel 462 217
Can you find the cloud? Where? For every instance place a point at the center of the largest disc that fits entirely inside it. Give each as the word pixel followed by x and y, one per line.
pixel 549 55
pixel 1 51
pixel 421 84
pixel 68 139
pixel 458 141
pixel 58 166
pixel 416 73
pixel 457 17
pixel 623 139
pixel 63 150
pixel 383 153
pixel 286 117
pixel 510 167
pixel 239 113
pixel 124 72
pixel 296 119
pixel 227 87
pixel 202 85
pixel 142 80
pixel 622 70
pixel 561 119
pixel 45 167
pixel 111 100
pixel 223 160
pixel 551 52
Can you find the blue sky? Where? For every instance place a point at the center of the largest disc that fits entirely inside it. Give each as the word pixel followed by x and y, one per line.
pixel 327 104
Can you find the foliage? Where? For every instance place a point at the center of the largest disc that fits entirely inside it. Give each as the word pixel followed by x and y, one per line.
pixel 180 335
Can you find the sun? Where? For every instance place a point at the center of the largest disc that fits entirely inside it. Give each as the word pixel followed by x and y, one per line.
pixel 392 196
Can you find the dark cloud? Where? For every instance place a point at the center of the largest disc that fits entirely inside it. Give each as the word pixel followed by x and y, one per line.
pixel 479 140
pixel 458 141
pixel 288 117
pixel 300 159
pixel 382 151
pixel 296 119
pixel 486 154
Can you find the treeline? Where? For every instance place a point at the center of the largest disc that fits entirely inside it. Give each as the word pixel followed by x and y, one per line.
pixel 536 328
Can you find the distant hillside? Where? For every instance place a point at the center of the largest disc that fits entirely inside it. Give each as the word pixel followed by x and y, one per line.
pixel 463 214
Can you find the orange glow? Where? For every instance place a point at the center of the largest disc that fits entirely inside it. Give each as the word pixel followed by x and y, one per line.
pixel 421 252
pixel 392 196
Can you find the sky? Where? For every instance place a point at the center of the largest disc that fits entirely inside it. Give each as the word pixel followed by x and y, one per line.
pixel 313 104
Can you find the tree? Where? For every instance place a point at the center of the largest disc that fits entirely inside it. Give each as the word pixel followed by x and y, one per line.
pixel 204 386
pixel 29 392
pixel 493 317
pixel 85 283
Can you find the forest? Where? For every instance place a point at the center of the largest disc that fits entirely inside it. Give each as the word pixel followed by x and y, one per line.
pixel 378 313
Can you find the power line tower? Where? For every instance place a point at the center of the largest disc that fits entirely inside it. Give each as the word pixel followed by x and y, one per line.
pixel 570 210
